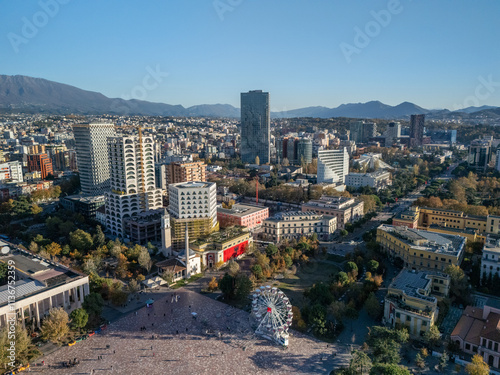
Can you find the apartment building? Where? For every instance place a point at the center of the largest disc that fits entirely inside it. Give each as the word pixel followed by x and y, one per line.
pixel 412 299
pixel 289 225
pixel 245 215
pixel 346 210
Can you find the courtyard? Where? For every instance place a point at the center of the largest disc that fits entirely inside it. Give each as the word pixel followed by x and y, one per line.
pixel 167 338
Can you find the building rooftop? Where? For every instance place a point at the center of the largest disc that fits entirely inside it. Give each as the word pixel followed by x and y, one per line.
pixel 414 283
pixel 34 273
pixel 241 209
pixel 86 198
pixel 193 184
pixel 332 202
pixel 223 235
pixel 439 243
pixel 295 214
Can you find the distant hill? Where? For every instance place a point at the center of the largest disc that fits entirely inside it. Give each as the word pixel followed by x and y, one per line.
pixel 36 95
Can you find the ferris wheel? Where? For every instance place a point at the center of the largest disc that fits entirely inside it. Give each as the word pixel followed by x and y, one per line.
pixel 273 311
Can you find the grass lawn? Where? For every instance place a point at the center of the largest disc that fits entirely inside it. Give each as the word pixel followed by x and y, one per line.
pixel 335 258
pixel 305 277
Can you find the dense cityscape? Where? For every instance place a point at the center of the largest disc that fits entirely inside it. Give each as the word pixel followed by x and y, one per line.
pixel 295 224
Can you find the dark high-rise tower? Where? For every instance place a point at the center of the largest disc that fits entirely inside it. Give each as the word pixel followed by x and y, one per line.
pixel 417 130
pixel 255 127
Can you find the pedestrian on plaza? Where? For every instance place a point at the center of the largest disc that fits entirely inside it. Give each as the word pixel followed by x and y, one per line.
pixel 151 347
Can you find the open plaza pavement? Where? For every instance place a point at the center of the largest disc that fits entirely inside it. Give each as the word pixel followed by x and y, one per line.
pixel 166 338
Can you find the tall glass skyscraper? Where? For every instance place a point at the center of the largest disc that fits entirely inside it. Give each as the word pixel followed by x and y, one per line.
pixel 255 127
pixel 92 156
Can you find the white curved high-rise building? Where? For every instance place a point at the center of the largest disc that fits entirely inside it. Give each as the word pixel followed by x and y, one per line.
pixel 133 188
pixel 333 165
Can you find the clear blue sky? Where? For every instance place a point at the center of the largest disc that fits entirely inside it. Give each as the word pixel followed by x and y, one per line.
pixel 430 52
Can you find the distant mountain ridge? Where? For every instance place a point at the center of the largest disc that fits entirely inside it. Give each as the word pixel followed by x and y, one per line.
pixel 37 95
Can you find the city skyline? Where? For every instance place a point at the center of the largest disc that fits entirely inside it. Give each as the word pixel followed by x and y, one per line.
pixel 321 54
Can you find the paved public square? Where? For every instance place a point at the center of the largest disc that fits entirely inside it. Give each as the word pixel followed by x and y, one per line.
pixel 219 340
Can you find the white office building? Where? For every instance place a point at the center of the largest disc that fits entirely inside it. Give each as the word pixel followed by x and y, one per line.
pixel 376 180
pixel 333 165
pixel 92 156
pixel 132 180
pixel 193 200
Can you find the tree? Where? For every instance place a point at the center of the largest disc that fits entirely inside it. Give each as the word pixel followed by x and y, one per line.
pixel 419 361
pixel 271 250
pixel 213 285
pixel 459 286
pixel 3 272
pixel 352 269
pixel 257 271
pixel 389 369
pixel 93 304
pixel 360 362
pixel 443 362
pixel 81 240
pixel 79 318
pixel 133 286
pixel 344 233
pixel 55 325
pixel 53 249
pixel 372 306
pixel 21 342
pixel 342 278
pixel 432 336
pixel 373 266
pixel 477 366
pixel 319 293
pixel 33 247
pixel 233 267
pixel 144 258
pixel 36 209
pixel 115 250
pixel 227 287
pixel 99 237
pixel 243 286
pixel 386 351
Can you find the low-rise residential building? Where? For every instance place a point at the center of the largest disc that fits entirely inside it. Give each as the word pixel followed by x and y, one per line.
pixel 490 260
pixel 289 225
pixel 421 249
pixel 412 299
pixel 376 180
pixel 41 285
pixel 477 332
pixel 346 210
pixel 222 246
pixel 82 204
pixel 245 215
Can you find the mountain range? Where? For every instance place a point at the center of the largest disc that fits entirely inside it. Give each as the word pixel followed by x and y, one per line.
pixel 36 95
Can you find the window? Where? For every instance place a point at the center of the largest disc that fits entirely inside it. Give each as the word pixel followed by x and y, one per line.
pixel 408 318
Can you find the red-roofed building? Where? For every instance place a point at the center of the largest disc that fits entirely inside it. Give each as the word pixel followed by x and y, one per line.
pixel 478 332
